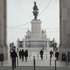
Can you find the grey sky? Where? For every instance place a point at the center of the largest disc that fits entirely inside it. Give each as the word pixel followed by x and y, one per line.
pixel 20 15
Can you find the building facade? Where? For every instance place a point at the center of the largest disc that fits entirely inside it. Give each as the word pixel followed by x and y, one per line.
pixel 3 31
pixel 65 26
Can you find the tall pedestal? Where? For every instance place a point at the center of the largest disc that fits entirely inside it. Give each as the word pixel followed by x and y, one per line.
pixel 36 29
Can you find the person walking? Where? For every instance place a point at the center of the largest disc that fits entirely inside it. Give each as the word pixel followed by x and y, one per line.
pixel 26 55
pixel 22 54
pixel 41 54
pixel 13 57
pixel 51 54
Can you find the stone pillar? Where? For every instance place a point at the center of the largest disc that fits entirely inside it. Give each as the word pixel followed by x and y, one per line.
pixel 3 31
pixel 64 26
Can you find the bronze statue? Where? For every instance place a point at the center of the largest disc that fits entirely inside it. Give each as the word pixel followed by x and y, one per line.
pixel 35 11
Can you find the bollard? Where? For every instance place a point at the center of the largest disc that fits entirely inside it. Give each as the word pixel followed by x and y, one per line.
pixel 1 58
pixel 13 68
pixel 34 63
pixel 17 62
pixel 55 64
pixel 50 60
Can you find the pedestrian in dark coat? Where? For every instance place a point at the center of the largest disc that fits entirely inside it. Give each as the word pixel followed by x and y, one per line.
pixel 41 54
pixel 22 54
pixel 13 57
pixel 26 55
pixel 57 55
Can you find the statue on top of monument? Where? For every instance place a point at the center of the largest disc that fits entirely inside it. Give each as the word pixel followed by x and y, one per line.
pixel 35 11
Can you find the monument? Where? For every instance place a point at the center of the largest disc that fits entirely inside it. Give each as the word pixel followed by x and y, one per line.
pixel 3 31
pixel 37 37
pixel 36 24
pixel 35 11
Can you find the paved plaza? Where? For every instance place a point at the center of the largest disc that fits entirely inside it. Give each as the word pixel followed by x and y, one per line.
pixel 39 62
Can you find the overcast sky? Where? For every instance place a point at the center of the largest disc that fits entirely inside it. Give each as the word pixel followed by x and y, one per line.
pixel 19 16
